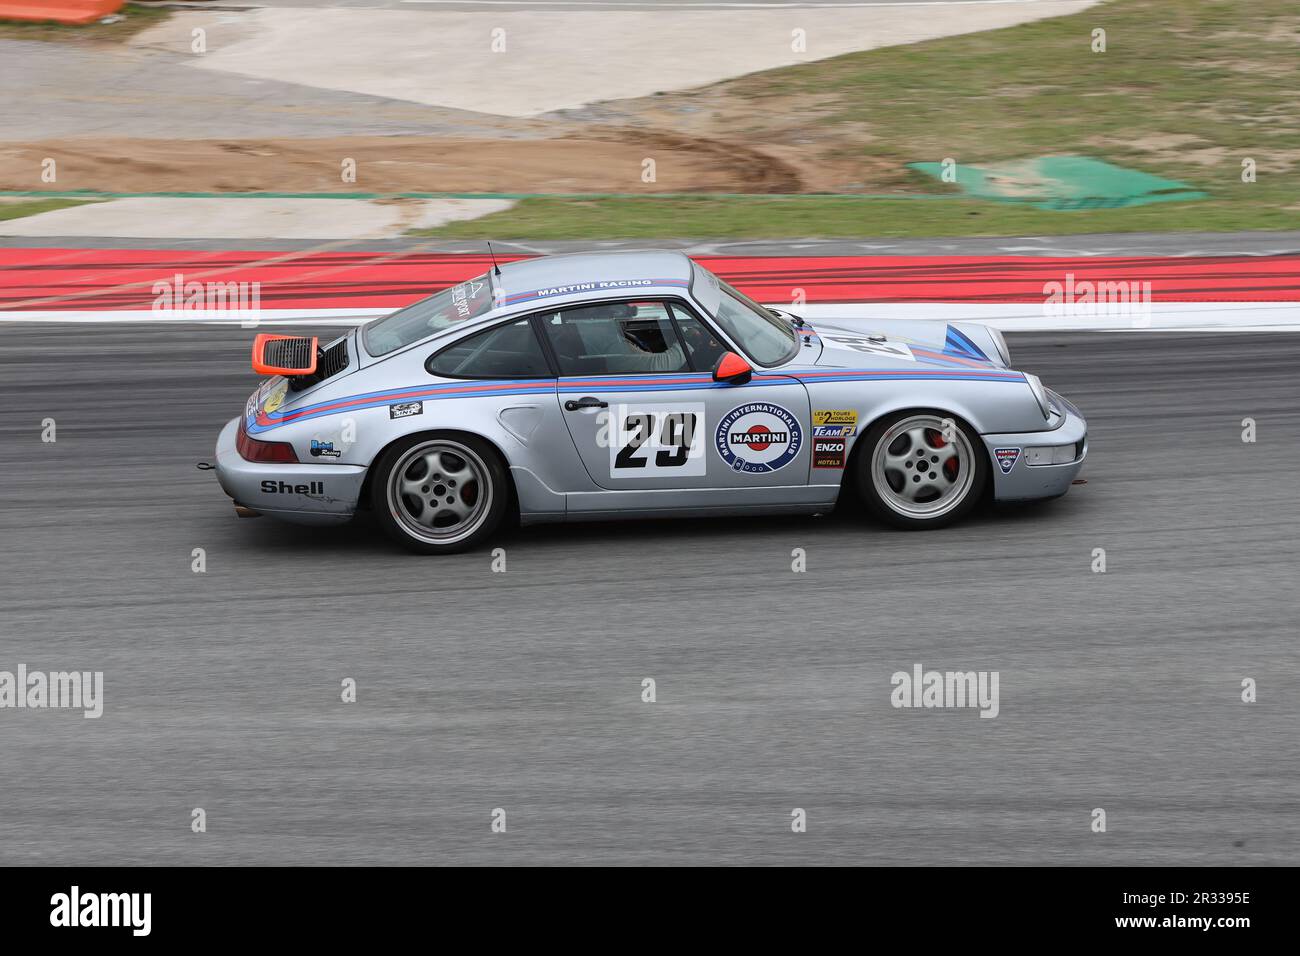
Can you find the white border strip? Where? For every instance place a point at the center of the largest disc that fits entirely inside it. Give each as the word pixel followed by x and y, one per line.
pixel 251 318
pixel 1011 317
pixel 1033 317
pixel 724 4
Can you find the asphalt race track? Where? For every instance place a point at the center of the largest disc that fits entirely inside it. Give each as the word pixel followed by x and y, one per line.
pixel 522 690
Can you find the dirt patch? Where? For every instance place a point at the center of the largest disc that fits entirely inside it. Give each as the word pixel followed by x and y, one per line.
pixel 1253 67
pixel 608 161
pixel 129 21
pixel 1178 149
pixel 799 132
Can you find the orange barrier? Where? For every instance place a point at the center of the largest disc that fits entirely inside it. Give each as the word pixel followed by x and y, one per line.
pixel 61 11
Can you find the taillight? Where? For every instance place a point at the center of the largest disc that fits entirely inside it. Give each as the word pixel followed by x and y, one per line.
pixel 250 449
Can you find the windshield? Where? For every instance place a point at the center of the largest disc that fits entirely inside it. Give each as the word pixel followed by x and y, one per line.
pixel 768 339
pixel 419 321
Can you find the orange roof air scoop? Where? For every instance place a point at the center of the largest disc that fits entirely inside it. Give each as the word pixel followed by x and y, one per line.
pixel 284 354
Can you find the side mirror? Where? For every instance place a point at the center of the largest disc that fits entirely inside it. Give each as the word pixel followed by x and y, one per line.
pixel 732 369
pixel 284 355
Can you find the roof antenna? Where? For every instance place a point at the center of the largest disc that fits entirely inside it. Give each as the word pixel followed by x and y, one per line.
pixel 496 269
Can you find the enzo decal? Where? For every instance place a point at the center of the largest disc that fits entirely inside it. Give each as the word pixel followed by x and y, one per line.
pixel 646 441
pixel 758 437
pixel 1007 458
pixel 828 452
pixel 405 409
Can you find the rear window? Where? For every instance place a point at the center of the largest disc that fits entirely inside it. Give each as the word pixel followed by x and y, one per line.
pixel 434 314
pixel 507 351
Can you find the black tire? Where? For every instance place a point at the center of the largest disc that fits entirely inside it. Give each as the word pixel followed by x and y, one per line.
pixel 968 477
pixel 480 488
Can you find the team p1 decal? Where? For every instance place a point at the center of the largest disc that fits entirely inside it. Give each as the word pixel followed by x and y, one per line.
pixel 1007 458
pixel 758 438
pixel 652 441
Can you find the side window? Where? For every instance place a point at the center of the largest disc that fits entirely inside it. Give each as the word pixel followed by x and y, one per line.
pixel 702 345
pixel 618 338
pixel 506 351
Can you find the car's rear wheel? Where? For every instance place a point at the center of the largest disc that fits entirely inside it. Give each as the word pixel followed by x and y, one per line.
pixel 439 494
pixel 921 469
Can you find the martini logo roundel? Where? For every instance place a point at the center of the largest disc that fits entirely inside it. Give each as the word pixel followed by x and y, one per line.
pixel 758 438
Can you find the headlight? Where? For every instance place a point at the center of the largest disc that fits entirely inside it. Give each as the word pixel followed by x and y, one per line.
pixel 1001 344
pixel 1040 394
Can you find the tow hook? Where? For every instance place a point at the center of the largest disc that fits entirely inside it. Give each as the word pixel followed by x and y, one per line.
pixel 246 512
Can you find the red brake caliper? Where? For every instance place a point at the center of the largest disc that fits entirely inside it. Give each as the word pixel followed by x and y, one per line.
pixel 936 441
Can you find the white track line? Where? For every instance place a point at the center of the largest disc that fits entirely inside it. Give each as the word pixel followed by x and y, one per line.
pixel 1031 316
pixel 1012 317
pixel 706 5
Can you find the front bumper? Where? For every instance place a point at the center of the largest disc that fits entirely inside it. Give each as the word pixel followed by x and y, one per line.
pixel 1026 482
pixel 302 493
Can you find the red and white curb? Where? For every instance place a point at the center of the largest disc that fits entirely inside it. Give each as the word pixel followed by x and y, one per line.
pixel 1015 293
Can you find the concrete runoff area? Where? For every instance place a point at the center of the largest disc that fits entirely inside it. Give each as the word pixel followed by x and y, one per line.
pixel 524 63
pixel 251 218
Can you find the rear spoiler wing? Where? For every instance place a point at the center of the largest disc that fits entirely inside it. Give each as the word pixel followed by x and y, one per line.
pixel 284 354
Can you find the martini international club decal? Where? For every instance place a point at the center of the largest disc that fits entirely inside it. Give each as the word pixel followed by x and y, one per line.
pixel 758 438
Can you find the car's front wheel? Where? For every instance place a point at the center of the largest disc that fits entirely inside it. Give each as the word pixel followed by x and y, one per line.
pixel 921 469
pixel 439 494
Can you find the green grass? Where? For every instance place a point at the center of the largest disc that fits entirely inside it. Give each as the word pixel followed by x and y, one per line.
pixel 1186 89
pixel 840 217
pixel 1221 73
pixel 18 210
pixel 136 19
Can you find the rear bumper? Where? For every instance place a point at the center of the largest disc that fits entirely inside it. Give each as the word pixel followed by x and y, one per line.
pixel 302 493
pixel 1026 482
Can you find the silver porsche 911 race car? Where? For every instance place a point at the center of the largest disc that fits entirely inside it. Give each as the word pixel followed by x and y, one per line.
pixel 635 385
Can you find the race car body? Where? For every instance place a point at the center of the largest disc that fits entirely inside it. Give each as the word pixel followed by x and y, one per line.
pixel 636 384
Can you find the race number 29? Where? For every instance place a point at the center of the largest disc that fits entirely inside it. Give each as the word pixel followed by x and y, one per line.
pixel 648 441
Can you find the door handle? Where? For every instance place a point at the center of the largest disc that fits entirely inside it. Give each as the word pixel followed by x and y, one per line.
pixel 588 402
